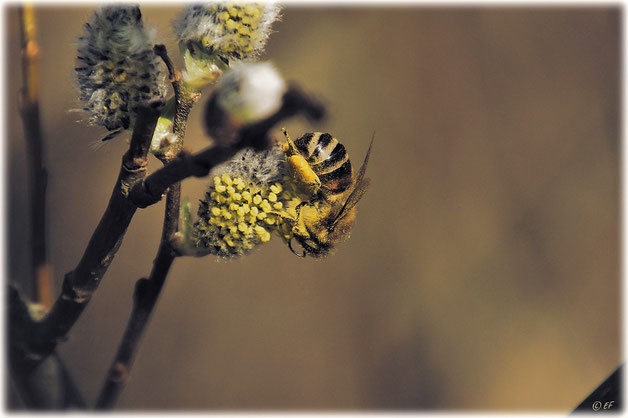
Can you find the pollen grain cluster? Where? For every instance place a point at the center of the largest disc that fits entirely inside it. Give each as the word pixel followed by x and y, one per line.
pixel 236 216
pixel 231 30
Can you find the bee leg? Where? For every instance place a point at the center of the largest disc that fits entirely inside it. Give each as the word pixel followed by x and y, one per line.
pixel 286 235
pixel 294 252
pixel 283 217
pixel 297 209
pixel 299 168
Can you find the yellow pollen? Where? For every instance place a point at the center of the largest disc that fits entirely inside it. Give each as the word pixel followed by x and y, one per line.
pixel 265 206
pixel 226 179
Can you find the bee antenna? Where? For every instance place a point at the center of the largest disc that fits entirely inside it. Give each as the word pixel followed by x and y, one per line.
pixel 291 147
pixel 294 252
pixel 285 133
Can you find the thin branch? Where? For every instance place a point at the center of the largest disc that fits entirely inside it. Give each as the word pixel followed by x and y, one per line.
pixel 185 100
pixel 44 385
pixel 80 283
pixel 160 51
pixel 38 178
pixel 147 291
pixel 59 390
pixel 145 298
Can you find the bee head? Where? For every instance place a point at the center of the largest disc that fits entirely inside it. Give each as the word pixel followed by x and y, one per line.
pixel 311 246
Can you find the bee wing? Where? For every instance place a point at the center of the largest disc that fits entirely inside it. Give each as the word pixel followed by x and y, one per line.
pixel 353 199
pixel 362 172
pixel 361 186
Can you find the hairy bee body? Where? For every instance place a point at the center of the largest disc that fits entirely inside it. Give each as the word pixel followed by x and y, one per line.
pixel 320 167
pixel 329 160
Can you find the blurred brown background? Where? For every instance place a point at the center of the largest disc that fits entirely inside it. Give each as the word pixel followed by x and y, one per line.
pixel 483 269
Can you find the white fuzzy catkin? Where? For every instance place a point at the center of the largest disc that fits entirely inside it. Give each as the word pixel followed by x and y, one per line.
pixel 116 66
pixel 229 30
pixel 250 91
pixel 260 167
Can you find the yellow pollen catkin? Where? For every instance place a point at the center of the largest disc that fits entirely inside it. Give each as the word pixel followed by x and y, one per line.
pixel 237 215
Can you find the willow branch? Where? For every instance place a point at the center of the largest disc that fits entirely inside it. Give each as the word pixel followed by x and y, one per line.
pixel 145 298
pixel 46 385
pixel 29 108
pixel 147 290
pixel 49 385
pixel 185 100
pixel 80 283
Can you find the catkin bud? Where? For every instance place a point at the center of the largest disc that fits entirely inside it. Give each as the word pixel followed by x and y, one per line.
pixel 250 92
pixel 214 35
pixel 116 66
pixel 245 94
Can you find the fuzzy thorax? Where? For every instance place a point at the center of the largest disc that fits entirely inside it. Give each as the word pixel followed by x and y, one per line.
pixel 116 66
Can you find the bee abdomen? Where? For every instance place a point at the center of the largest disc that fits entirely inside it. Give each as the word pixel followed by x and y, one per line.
pixel 329 160
pixel 336 159
pixel 339 180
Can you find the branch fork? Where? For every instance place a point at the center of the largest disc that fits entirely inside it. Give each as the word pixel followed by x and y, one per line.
pixel 32 342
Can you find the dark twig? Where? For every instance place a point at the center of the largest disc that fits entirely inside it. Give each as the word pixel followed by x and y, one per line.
pixel 29 107
pixel 80 283
pixel 147 291
pixel 49 385
pixel 43 385
pixel 145 298
pixel 160 51
pixel 185 100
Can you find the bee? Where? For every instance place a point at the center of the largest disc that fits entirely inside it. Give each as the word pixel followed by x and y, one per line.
pixel 319 166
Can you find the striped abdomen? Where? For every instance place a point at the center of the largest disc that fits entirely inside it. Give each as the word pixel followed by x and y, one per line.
pixel 328 159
